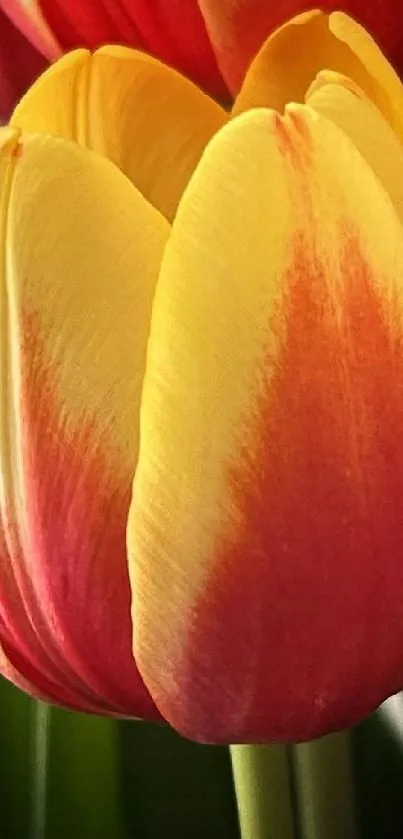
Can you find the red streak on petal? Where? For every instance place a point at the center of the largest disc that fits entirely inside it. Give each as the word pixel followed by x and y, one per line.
pixel 294 143
pixel 300 629
pixel 64 589
pixel 17 151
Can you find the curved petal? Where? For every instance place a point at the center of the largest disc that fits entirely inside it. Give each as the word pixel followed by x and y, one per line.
pixel 149 120
pixel 12 675
pixel 338 99
pixel 265 533
pixel 16 677
pixel 291 58
pixel 20 64
pixel 171 30
pixel 81 250
pixel 238 28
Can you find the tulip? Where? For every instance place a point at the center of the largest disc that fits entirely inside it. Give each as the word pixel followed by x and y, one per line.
pixel 210 304
pixel 210 41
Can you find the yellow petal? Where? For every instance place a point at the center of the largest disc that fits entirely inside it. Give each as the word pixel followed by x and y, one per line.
pixel 91 247
pixel 81 251
pixel 293 55
pixel 341 101
pixel 148 119
pixel 265 528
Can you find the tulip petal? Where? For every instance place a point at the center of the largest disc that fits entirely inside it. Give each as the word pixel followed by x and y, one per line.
pixel 293 55
pixel 20 64
pixel 14 676
pixel 80 257
pixel 265 533
pixel 342 102
pixel 149 120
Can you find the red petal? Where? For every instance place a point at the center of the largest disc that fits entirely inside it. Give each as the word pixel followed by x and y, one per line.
pixel 20 64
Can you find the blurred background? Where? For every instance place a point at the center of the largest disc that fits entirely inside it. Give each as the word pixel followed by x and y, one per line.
pixel 69 775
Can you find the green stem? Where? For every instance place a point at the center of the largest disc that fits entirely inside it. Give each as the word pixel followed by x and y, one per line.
pixel 325 788
pixel 263 793
pixel 41 721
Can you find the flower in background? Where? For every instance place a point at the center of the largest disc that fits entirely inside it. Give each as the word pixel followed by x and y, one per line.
pixel 210 302
pixel 211 41
pixel 20 63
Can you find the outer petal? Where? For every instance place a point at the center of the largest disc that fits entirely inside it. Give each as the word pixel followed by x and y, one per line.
pixel 80 254
pixel 338 99
pixel 290 59
pixel 266 533
pixel 172 30
pixel 149 120
pixel 20 63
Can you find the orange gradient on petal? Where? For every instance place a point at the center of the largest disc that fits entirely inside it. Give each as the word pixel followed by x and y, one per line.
pixel 65 621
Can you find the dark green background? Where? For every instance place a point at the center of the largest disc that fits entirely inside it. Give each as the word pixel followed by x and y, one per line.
pixel 70 776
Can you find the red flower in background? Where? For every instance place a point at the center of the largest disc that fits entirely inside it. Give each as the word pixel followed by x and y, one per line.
pixel 210 41
pixel 20 62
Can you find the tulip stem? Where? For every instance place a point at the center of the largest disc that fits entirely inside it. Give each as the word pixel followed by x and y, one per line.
pixel 41 724
pixel 263 791
pixel 325 788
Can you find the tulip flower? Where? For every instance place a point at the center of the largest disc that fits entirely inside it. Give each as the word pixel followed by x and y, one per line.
pixel 208 304
pixel 210 41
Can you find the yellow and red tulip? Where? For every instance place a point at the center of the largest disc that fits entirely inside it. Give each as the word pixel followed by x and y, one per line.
pixel 210 303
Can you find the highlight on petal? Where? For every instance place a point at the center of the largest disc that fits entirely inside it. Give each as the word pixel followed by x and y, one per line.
pixel 150 121
pixel 81 254
pixel 341 101
pixel 265 532
pixel 313 41
pixel 29 19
